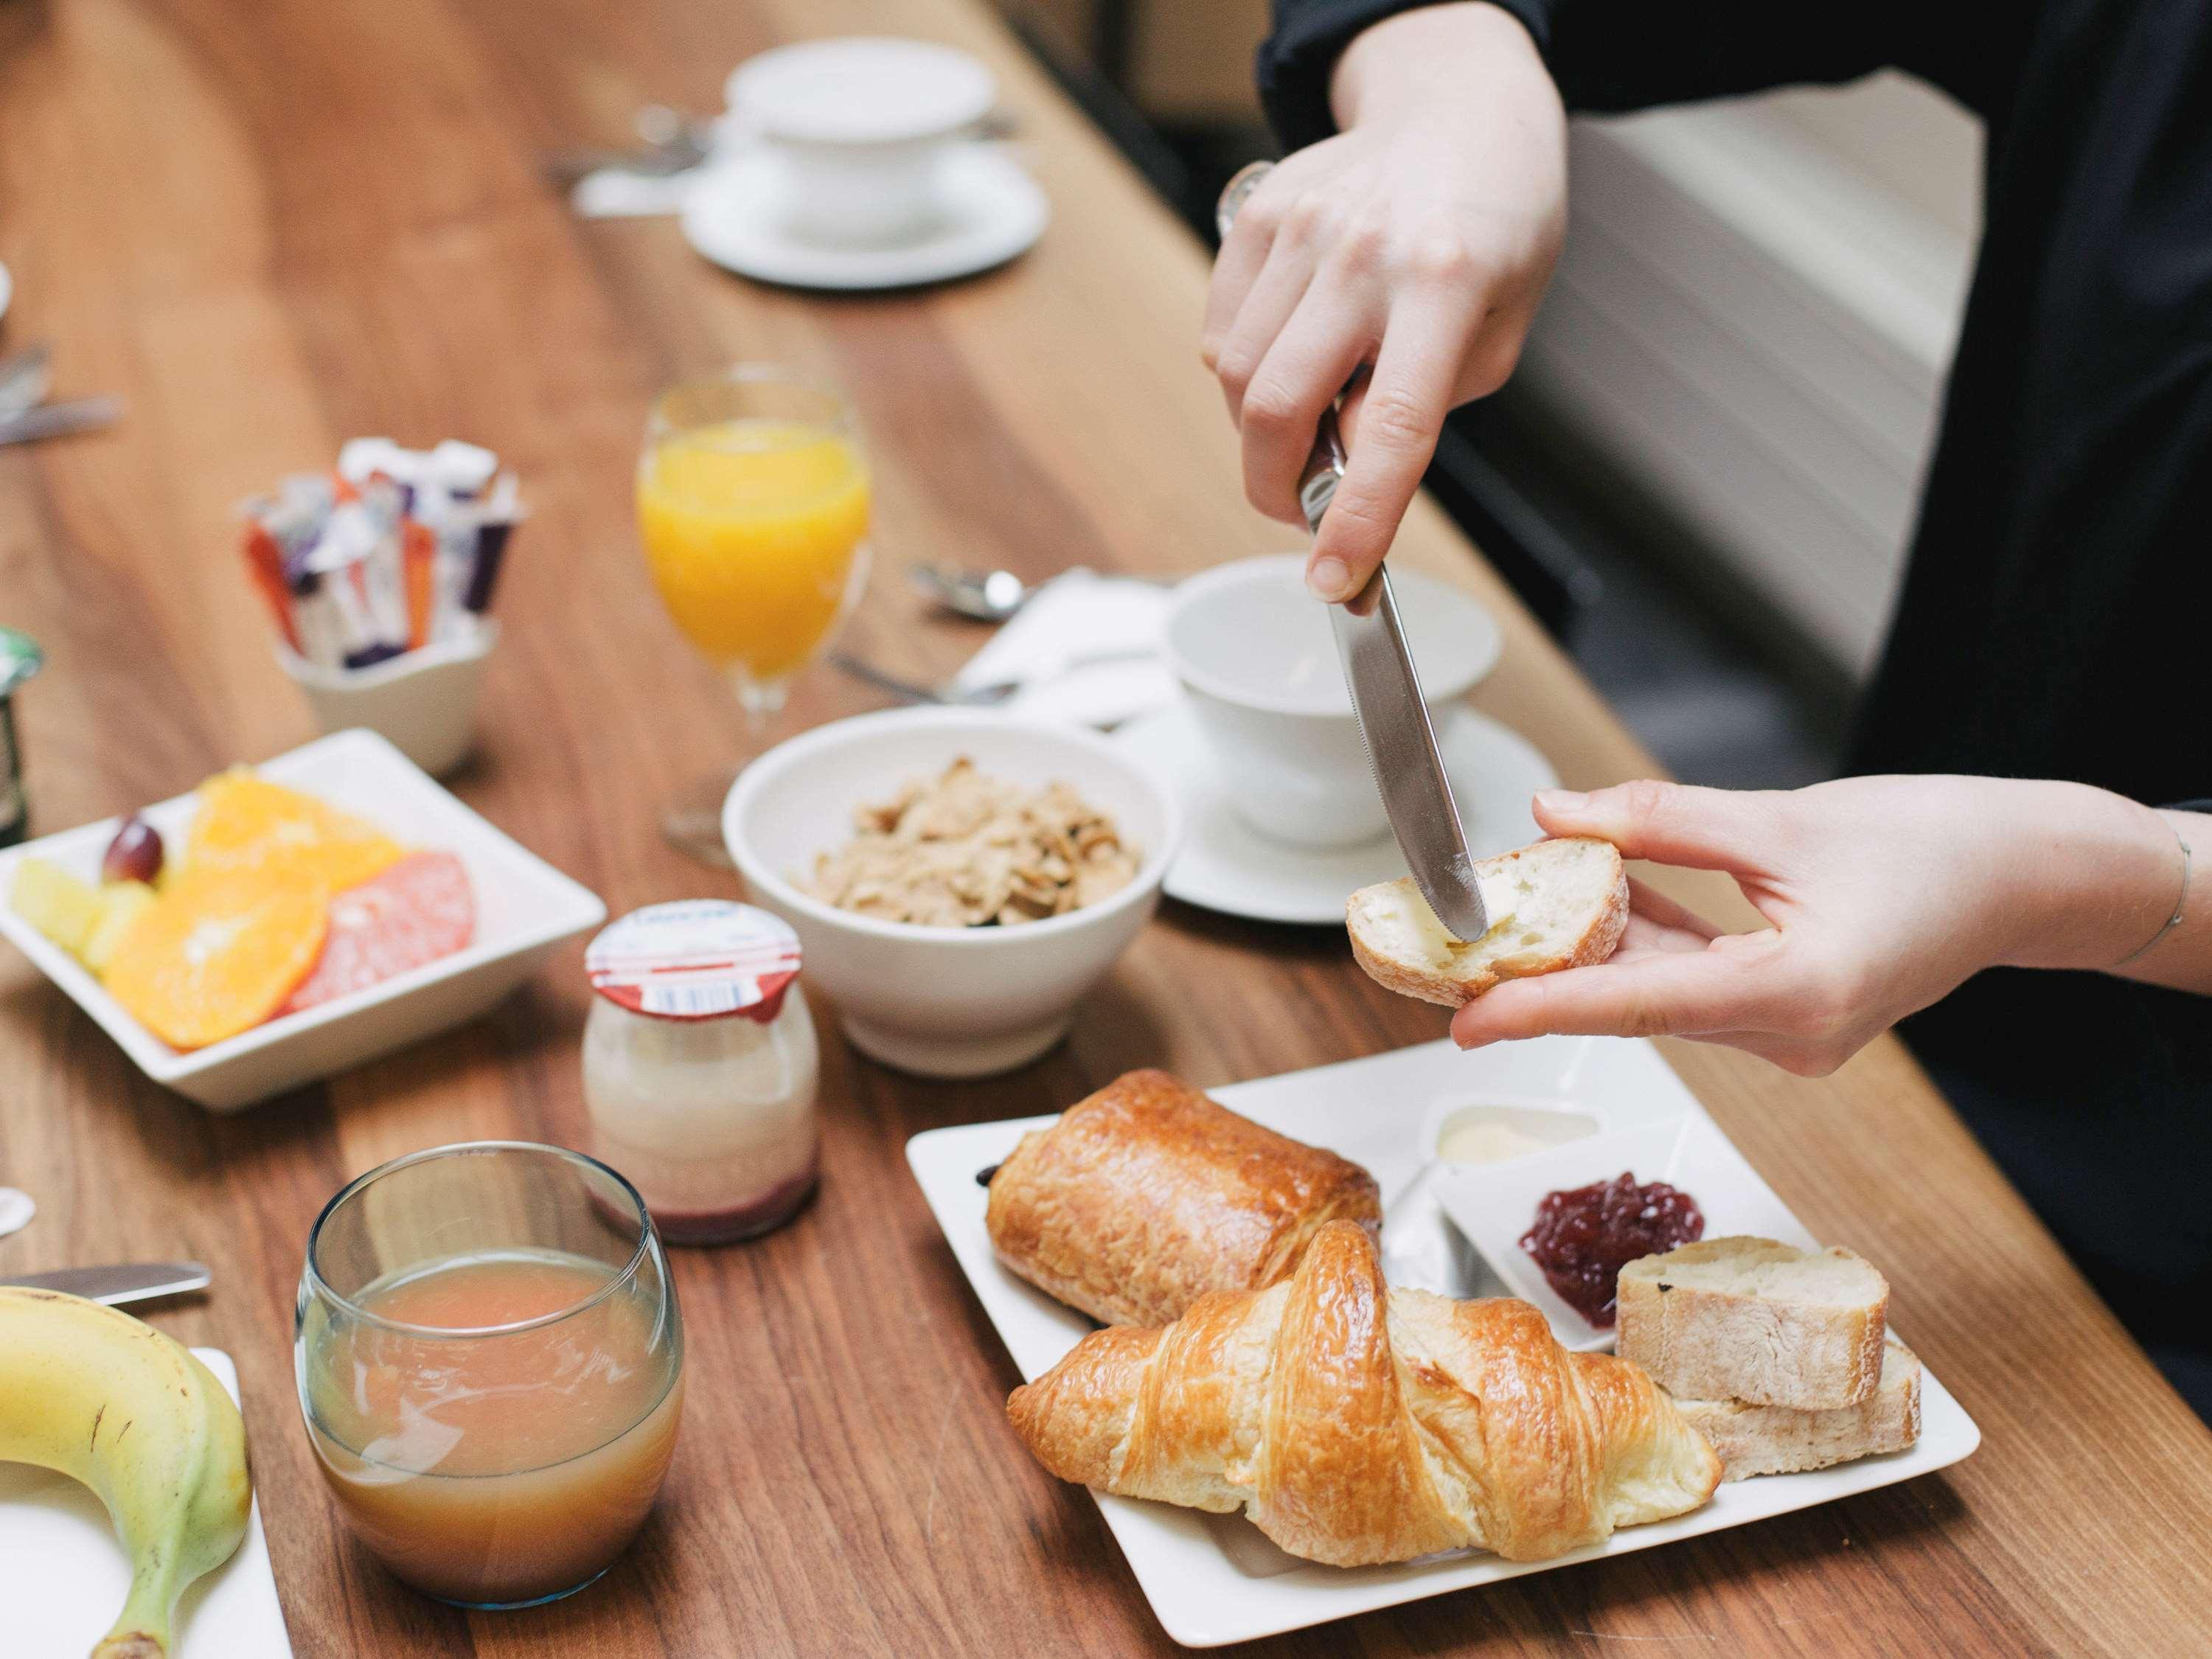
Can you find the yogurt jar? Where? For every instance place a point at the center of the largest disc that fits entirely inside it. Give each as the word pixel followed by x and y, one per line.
pixel 701 1067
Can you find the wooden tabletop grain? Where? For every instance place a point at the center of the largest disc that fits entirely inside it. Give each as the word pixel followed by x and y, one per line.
pixel 275 224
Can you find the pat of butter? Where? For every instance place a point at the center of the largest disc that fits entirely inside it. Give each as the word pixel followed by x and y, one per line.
pixel 1413 928
pixel 1485 1141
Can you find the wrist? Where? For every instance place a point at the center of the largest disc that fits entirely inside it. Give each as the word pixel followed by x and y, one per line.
pixel 1432 54
pixel 2093 878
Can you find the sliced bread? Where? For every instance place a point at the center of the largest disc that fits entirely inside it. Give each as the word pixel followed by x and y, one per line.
pixel 1776 1440
pixel 1749 1319
pixel 1558 904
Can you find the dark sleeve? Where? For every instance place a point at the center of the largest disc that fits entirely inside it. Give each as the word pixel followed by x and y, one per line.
pixel 1614 54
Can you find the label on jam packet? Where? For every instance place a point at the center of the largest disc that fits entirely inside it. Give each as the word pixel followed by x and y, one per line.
pixel 696 959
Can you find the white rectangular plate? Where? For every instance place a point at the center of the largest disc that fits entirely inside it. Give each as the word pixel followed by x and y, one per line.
pixel 1213 1579
pixel 63 1577
pixel 524 907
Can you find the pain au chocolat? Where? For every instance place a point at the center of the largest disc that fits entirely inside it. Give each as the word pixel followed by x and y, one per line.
pixel 1148 1195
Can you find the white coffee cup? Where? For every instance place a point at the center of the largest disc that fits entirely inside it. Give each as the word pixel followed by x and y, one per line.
pixel 861 124
pixel 1256 657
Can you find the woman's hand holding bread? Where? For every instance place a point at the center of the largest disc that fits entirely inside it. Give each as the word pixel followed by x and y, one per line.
pixel 1884 893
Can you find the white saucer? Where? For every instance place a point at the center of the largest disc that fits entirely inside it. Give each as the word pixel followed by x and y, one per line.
pixel 1226 865
pixel 993 211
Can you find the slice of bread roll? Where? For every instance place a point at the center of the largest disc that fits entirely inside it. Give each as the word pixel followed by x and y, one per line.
pixel 1558 904
pixel 1775 1440
pixel 1749 1319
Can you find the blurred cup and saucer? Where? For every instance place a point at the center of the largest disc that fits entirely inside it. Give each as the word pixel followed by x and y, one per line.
pixel 1284 817
pixel 856 163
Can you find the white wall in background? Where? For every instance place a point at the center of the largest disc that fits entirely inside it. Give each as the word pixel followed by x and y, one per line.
pixel 1754 317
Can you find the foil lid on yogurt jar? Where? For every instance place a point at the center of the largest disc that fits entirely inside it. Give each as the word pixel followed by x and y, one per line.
pixel 696 959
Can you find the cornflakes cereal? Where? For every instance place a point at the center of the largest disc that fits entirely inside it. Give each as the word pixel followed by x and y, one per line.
pixel 968 850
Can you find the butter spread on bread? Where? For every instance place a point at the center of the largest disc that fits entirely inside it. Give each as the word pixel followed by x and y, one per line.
pixel 1560 903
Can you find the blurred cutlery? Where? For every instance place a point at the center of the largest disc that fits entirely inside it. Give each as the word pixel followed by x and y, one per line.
pixel 673 143
pixel 25 377
pixel 134 1281
pixel 989 596
pixel 953 694
pixel 57 419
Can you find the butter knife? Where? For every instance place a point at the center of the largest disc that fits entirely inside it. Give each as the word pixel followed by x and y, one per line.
pixel 1386 690
pixel 135 1281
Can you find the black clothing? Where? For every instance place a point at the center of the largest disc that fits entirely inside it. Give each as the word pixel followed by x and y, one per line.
pixel 2061 576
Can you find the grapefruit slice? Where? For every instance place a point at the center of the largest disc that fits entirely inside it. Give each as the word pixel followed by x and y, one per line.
pixel 418 911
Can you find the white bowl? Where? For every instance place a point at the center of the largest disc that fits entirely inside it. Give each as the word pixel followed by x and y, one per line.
pixel 424 702
pixel 1256 657
pixel 944 1001
pixel 524 907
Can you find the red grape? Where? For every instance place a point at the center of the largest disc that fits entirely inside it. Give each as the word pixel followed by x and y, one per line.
pixel 135 854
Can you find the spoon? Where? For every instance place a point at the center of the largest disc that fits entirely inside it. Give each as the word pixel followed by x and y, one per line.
pixel 16 1210
pixel 985 695
pixel 990 596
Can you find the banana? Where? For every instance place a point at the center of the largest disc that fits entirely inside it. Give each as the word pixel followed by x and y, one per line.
pixel 106 1400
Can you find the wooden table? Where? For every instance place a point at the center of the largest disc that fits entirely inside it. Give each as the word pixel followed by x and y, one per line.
pixel 273 224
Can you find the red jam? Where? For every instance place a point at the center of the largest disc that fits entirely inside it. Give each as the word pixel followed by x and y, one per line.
pixel 1583 1238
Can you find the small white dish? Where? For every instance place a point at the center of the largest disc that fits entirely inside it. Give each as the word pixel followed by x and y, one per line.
pixel 1214 1578
pixel 950 1002
pixel 1494 1204
pixel 17 1208
pixel 424 702
pixel 991 210
pixel 524 908
pixel 63 1577
pixel 1226 865
pixel 1257 658
pixel 860 124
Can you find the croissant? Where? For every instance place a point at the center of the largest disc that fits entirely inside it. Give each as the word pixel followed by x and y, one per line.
pixel 1355 1424
pixel 1146 1195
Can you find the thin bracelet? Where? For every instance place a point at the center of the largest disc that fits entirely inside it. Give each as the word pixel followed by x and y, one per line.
pixel 2172 921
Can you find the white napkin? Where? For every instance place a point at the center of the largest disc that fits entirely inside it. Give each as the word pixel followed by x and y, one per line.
pixel 619 193
pixel 1078 615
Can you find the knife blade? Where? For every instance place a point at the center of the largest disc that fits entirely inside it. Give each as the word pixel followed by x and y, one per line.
pixel 120 1282
pixel 1385 687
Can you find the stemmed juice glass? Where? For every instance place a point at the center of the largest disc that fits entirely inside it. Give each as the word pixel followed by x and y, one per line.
pixel 752 506
pixel 490 1363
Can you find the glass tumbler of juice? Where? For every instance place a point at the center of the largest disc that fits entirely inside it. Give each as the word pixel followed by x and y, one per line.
pixel 753 499
pixel 491 1364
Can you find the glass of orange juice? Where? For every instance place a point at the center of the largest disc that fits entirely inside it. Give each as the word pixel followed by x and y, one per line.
pixel 752 506
pixel 491 1364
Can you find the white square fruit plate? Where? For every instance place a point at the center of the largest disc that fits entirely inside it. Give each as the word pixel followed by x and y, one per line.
pixel 524 907
pixel 1214 1579
pixel 63 1577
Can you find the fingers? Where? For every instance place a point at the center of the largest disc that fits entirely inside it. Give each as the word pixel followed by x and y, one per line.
pixel 1393 435
pixel 1274 296
pixel 1319 349
pixel 1735 830
pixel 1662 995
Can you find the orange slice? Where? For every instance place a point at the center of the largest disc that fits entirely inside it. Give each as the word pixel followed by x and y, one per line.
pixel 244 821
pixel 217 953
